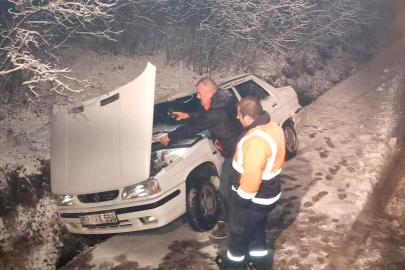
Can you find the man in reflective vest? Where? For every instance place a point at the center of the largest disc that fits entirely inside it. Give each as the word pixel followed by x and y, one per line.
pixel 255 180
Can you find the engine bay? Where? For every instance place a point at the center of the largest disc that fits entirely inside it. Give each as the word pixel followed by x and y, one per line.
pixel 162 156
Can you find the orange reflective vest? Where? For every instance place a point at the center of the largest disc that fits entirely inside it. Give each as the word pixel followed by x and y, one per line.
pixel 258 161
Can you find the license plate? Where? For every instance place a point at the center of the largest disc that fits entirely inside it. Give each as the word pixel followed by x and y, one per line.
pixel 99 219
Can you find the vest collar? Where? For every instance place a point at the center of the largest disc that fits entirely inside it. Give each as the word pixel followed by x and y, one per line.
pixel 261 120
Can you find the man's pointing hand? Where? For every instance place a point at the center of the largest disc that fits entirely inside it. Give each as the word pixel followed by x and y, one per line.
pixel 180 115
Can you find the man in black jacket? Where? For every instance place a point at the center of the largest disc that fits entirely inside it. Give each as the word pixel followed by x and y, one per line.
pixel 218 115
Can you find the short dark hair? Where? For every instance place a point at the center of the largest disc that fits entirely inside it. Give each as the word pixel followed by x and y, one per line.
pixel 208 82
pixel 250 106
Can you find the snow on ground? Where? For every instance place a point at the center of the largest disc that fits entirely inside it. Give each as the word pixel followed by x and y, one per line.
pixel 106 72
pixel 25 131
pixel 156 242
pixel 25 145
pixel 30 240
pixel 344 143
pixel 24 138
pixel 174 246
pixel 344 146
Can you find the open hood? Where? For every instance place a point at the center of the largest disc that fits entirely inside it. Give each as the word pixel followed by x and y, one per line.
pixel 104 144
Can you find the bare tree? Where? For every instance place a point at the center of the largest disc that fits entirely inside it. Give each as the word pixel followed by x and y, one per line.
pixel 206 35
pixel 211 34
pixel 35 29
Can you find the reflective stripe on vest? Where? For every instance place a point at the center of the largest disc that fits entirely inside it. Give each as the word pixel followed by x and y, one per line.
pixel 249 196
pixel 244 195
pixel 266 201
pixel 267 174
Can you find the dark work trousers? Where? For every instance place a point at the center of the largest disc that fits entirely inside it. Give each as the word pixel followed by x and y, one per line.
pixel 248 232
pixel 224 189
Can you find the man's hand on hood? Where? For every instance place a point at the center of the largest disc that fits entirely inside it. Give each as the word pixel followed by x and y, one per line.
pixel 164 140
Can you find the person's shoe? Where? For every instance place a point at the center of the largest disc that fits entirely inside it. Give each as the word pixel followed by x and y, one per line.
pixel 220 231
pixel 256 265
pixel 226 264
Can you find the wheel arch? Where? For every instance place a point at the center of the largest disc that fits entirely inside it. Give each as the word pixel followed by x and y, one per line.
pixel 196 185
pixel 290 153
pixel 204 169
pixel 287 121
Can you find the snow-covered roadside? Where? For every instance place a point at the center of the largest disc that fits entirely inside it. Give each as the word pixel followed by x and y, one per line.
pixel 106 72
pixel 29 226
pixel 345 143
pixel 24 148
pixel 30 231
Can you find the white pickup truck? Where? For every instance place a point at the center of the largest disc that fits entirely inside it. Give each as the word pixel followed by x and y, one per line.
pixel 110 176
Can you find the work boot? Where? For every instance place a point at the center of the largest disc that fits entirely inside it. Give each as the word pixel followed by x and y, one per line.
pixel 220 231
pixel 256 266
pixel 256 263
pixel 226 264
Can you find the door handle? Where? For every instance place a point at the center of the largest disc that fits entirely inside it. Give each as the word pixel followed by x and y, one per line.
pixel 274 105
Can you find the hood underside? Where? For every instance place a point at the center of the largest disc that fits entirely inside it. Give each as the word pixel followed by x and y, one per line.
pixel 105 143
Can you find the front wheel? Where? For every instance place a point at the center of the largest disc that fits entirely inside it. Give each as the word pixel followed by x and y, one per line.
pixel 291 141
pixel 202 205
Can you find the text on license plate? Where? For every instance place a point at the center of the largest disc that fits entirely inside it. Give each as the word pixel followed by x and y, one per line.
pixel 105 218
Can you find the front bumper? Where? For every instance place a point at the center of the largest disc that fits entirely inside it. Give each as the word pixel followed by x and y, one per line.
pixel 164 208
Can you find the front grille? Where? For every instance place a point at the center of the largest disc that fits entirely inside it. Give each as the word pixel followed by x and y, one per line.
pixel 98 197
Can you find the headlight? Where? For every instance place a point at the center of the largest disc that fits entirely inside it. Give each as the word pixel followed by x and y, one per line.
pixel 65 200
pixel 145 188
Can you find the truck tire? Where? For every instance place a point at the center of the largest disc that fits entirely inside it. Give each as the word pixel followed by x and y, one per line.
pixel 291 141
pixel 202 205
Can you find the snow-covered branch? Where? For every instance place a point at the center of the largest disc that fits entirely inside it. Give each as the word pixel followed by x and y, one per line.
pixel 203 34
pixel 35 29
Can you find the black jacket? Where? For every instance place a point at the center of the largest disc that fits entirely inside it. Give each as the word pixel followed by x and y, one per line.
pixel 219 119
